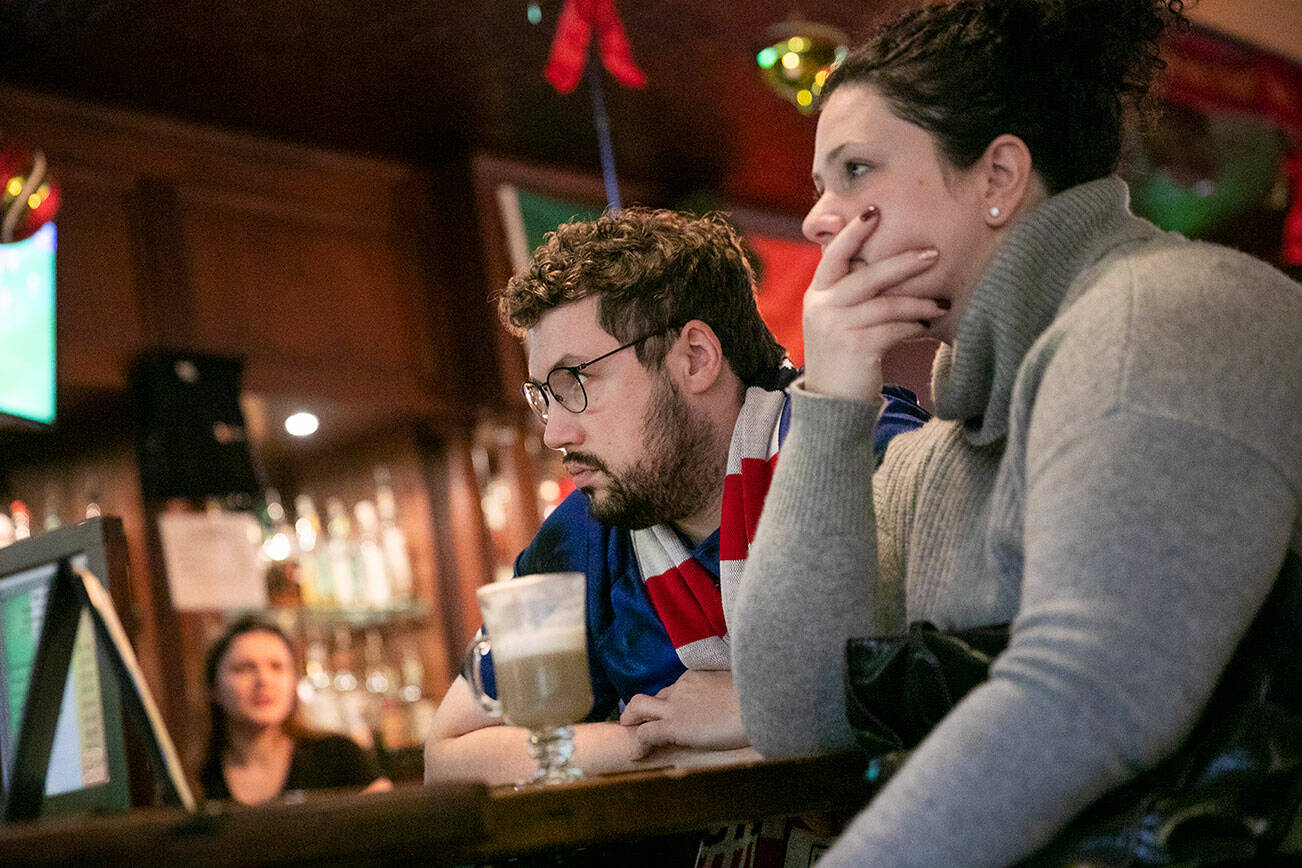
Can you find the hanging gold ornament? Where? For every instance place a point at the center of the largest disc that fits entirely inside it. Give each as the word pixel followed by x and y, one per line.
pixel 797 57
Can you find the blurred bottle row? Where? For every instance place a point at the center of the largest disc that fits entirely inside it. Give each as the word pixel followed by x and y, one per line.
pixel 355 558
pixel 375 693
pixel 16 524
pixel 19 523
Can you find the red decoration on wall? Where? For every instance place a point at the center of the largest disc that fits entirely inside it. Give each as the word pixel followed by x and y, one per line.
pixel 569 54
pixel 788 268
pixel 1212 74
pixel 29 198
pixel 1293 222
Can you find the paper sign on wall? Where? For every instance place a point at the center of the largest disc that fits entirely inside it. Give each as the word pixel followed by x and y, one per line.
pixel 213 560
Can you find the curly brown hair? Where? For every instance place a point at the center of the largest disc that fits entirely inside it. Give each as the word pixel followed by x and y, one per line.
pixel 651 269
pixel 1055 73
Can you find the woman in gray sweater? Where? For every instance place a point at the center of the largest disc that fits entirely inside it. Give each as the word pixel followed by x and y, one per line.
pixel 1116 463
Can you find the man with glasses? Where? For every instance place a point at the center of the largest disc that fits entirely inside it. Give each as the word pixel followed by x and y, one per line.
pixel 653 374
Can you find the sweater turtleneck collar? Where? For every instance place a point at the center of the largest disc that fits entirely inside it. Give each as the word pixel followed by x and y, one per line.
pixel 1019 295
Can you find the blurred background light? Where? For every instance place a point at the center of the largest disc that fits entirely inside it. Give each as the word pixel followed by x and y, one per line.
pixel 302 424
pixel 796 58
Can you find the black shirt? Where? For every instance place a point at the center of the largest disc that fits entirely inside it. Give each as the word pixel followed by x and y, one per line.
pixel 319 762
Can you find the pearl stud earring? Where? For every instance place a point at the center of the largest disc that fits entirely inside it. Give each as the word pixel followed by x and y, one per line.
pixel 994 211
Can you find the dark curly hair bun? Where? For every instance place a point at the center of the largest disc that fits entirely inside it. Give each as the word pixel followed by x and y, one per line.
pixel 1056 73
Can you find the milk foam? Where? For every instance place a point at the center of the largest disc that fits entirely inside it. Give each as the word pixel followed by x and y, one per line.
pixel 549 640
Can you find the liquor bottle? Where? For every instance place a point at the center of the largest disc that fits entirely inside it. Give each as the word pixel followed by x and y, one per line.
pixel 392 540
pixel 387 717
pixel 316 661
pixel 379 675
pixel 52 508
pixel 313 560
pixel 375 588
pixel 91 496
pixel 413 672
pixel 316 689
pixel 22 520
pixel 352 700
pixel 280 550
pixel 419 708
pixel 342 548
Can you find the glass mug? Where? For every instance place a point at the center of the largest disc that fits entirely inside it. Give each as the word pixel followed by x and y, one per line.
pixel 534 627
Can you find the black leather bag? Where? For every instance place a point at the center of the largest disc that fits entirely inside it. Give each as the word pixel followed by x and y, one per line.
pixel 1228 795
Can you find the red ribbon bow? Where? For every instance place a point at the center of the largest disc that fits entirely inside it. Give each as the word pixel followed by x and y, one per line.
pixel 569 53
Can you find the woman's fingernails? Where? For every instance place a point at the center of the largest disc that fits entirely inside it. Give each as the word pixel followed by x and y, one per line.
pixel 869 213
pixel 929 253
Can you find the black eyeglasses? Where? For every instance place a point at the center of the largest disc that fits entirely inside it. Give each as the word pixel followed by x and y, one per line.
pixel 566 386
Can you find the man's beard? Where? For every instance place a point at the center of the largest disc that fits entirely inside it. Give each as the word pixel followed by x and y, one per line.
pixel 677 476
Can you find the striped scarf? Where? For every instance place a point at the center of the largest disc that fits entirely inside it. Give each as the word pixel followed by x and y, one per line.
pixel 683 592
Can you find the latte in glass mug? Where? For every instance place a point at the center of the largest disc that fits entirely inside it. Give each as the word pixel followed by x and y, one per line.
pixel 542 676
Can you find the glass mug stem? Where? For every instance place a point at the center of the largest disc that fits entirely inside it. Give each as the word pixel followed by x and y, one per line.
pixel 552 749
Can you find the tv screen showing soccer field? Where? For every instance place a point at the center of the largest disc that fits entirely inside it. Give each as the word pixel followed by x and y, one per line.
pixel 27 328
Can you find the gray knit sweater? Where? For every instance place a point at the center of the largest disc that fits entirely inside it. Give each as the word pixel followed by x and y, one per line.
pixel 1116 468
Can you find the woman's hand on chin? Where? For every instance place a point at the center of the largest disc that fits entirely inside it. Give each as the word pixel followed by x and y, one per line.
pixel 849 319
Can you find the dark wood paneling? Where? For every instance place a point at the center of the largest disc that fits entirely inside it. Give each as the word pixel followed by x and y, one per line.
pixel 100 327
pixel 315 294
pixel 178 235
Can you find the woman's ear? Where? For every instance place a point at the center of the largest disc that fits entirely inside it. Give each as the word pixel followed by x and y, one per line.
pixel 696 358
pixel 1010 183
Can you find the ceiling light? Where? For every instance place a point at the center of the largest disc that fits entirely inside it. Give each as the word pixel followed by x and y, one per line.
pixel 302 424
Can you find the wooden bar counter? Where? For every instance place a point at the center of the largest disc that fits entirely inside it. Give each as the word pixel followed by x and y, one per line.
pixel 453 823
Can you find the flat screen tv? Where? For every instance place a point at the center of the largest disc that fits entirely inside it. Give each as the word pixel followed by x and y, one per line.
pixel 27 330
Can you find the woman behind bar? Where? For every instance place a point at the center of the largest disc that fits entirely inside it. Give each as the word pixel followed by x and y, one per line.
pixel 1116 466
pixel 258 749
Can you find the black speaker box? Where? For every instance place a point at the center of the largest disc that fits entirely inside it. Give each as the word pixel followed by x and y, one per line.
pixel 190 435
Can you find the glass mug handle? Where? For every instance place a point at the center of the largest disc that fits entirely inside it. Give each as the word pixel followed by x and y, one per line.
pixel 472 670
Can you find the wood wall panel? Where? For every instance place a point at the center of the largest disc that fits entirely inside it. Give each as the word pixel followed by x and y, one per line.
pixel 332 308
pixel 100 325
pixel 183 236
pixel 306 294
pixel 138 144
